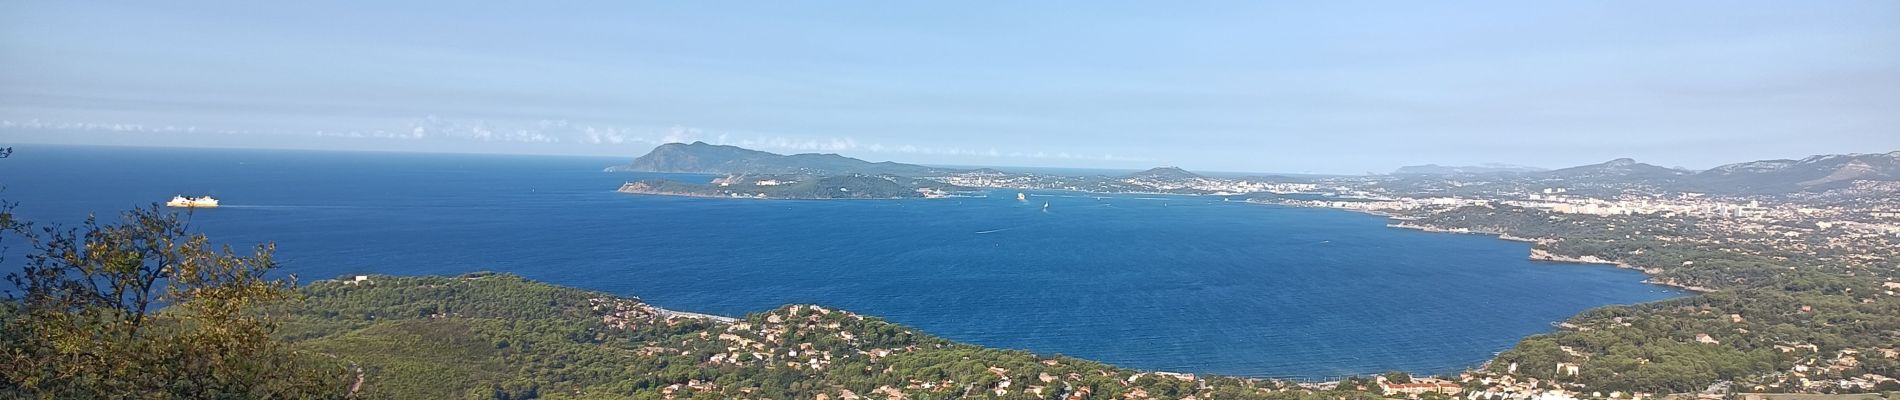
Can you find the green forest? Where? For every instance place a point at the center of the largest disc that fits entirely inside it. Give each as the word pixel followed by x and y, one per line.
pixel 1770 308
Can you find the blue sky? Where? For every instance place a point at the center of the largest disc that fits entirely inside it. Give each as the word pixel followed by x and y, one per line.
pixel 1335 87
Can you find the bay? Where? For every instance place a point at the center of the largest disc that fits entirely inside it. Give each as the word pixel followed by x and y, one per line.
pixel 1174 283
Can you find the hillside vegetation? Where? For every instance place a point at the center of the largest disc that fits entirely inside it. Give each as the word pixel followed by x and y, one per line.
pixel 498 336
pixel 1779 313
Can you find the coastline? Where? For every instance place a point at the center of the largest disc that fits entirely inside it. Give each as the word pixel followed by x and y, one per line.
pixel 1393 221
pixel 949 195
pixel 1536 254
pixel 668 187
pixel 768 198
pixel 706 196
pixel 1539 254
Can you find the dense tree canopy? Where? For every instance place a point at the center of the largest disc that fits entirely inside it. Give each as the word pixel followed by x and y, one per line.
pixel 83 317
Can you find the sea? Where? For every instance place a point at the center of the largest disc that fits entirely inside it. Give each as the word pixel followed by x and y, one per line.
pixel 1196 284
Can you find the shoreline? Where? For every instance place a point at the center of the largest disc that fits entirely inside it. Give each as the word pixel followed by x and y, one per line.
pixel 983 189
pixel 1393 221
pixel 704 196
pixel 1538 254
pixel 709 196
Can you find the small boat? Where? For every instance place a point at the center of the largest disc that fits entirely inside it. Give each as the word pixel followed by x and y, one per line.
pixel 194 202
pixel 1045 205
pixel 1021 197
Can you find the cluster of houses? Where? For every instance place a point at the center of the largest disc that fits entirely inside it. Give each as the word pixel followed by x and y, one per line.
pixel 1817 372
pixel 1418 386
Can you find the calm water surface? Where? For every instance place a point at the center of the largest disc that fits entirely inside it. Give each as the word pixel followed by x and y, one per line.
pixel 1173 283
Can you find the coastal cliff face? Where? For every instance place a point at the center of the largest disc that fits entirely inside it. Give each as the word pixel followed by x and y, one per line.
pixel 663 188
pixel 1545 255
pixel 1433 228
pixel 1653 272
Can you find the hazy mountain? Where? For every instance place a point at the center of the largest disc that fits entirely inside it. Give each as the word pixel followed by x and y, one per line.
pixel 701 157
pixel 1164 173
pixel 1816 173
pixel 1819 172
pixel 1621 169
pixel 1483 169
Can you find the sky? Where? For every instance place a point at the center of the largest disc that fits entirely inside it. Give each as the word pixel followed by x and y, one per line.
pixel 1293 87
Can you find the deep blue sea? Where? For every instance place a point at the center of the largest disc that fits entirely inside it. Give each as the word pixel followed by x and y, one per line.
pixel 1176 283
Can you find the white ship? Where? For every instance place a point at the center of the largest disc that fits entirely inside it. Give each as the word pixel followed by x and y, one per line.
pixel 198 202
pixel 1021 197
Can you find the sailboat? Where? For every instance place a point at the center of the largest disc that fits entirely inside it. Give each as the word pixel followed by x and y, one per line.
pixel 1045 206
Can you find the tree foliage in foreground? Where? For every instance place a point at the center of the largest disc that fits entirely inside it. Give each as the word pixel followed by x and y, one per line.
pixel 142 308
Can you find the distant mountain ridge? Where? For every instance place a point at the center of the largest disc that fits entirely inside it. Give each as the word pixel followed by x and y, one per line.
pixel 1811 174
pixel 705 158
pixel 1621 168
pixel 1481 169
pixel 1819 172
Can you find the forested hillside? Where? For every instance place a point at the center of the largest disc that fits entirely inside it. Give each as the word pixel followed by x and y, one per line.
pixel 1778 310
pixel 502 337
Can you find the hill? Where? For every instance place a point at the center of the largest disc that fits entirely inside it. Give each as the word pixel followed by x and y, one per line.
pixel 1621 169
pixel 1485 169
pixel 1165 173
pixel 1765 177
pixel 704 158
pixel 500 336
pixel 1819 172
